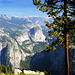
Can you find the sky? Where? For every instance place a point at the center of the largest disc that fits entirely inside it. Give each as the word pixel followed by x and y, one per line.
pixel 19 8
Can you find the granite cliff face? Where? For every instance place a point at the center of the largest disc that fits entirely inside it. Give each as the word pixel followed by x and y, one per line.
pixel 36 34
pixel 10 53
pixel 23 36
pixel 20 38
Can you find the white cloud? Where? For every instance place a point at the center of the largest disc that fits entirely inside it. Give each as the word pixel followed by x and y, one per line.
pixel 33 16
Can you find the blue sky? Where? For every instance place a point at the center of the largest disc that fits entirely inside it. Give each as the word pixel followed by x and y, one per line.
pixel 19 8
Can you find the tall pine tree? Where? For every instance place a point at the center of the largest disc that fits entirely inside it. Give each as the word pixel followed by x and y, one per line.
pixel 63 26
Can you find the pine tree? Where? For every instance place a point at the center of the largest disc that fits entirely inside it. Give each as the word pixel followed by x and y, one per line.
pixel 63 26
pixel 8 69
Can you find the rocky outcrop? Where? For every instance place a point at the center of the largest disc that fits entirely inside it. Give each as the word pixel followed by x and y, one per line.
pixel 36 34
pixel 19 37
pixel 23 36
pixel 10 54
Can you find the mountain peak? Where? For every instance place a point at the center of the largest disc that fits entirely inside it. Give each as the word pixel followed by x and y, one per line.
pixel 36 34
pixel 6 17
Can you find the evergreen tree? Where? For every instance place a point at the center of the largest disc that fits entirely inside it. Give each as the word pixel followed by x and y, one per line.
pixel 8 69
pixel 63 26
pixel 3 68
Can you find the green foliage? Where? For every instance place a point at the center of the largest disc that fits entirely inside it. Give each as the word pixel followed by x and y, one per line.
pixel 54 48
pixel 39 47
pixel 23 46
pixel 46 73
pixel 26 64
pixel 4 69
pixel 8 69
pixel 64 22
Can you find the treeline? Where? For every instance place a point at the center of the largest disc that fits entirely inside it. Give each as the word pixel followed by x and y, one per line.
pixel 4 69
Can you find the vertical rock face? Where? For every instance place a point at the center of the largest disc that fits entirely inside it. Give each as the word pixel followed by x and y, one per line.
pixel 22 37
pixel 10 54
pixel 12 51
pixel 4 55
pixel 36 34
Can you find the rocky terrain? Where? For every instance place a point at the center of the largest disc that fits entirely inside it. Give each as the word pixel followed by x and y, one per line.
pixel 20 38
pixel 10 52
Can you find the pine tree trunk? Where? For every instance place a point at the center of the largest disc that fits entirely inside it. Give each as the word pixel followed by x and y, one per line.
pixel 66 56
pixel 66 41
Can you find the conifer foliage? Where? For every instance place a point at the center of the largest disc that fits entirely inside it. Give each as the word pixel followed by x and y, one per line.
pixel 4 69
pixel 63 26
